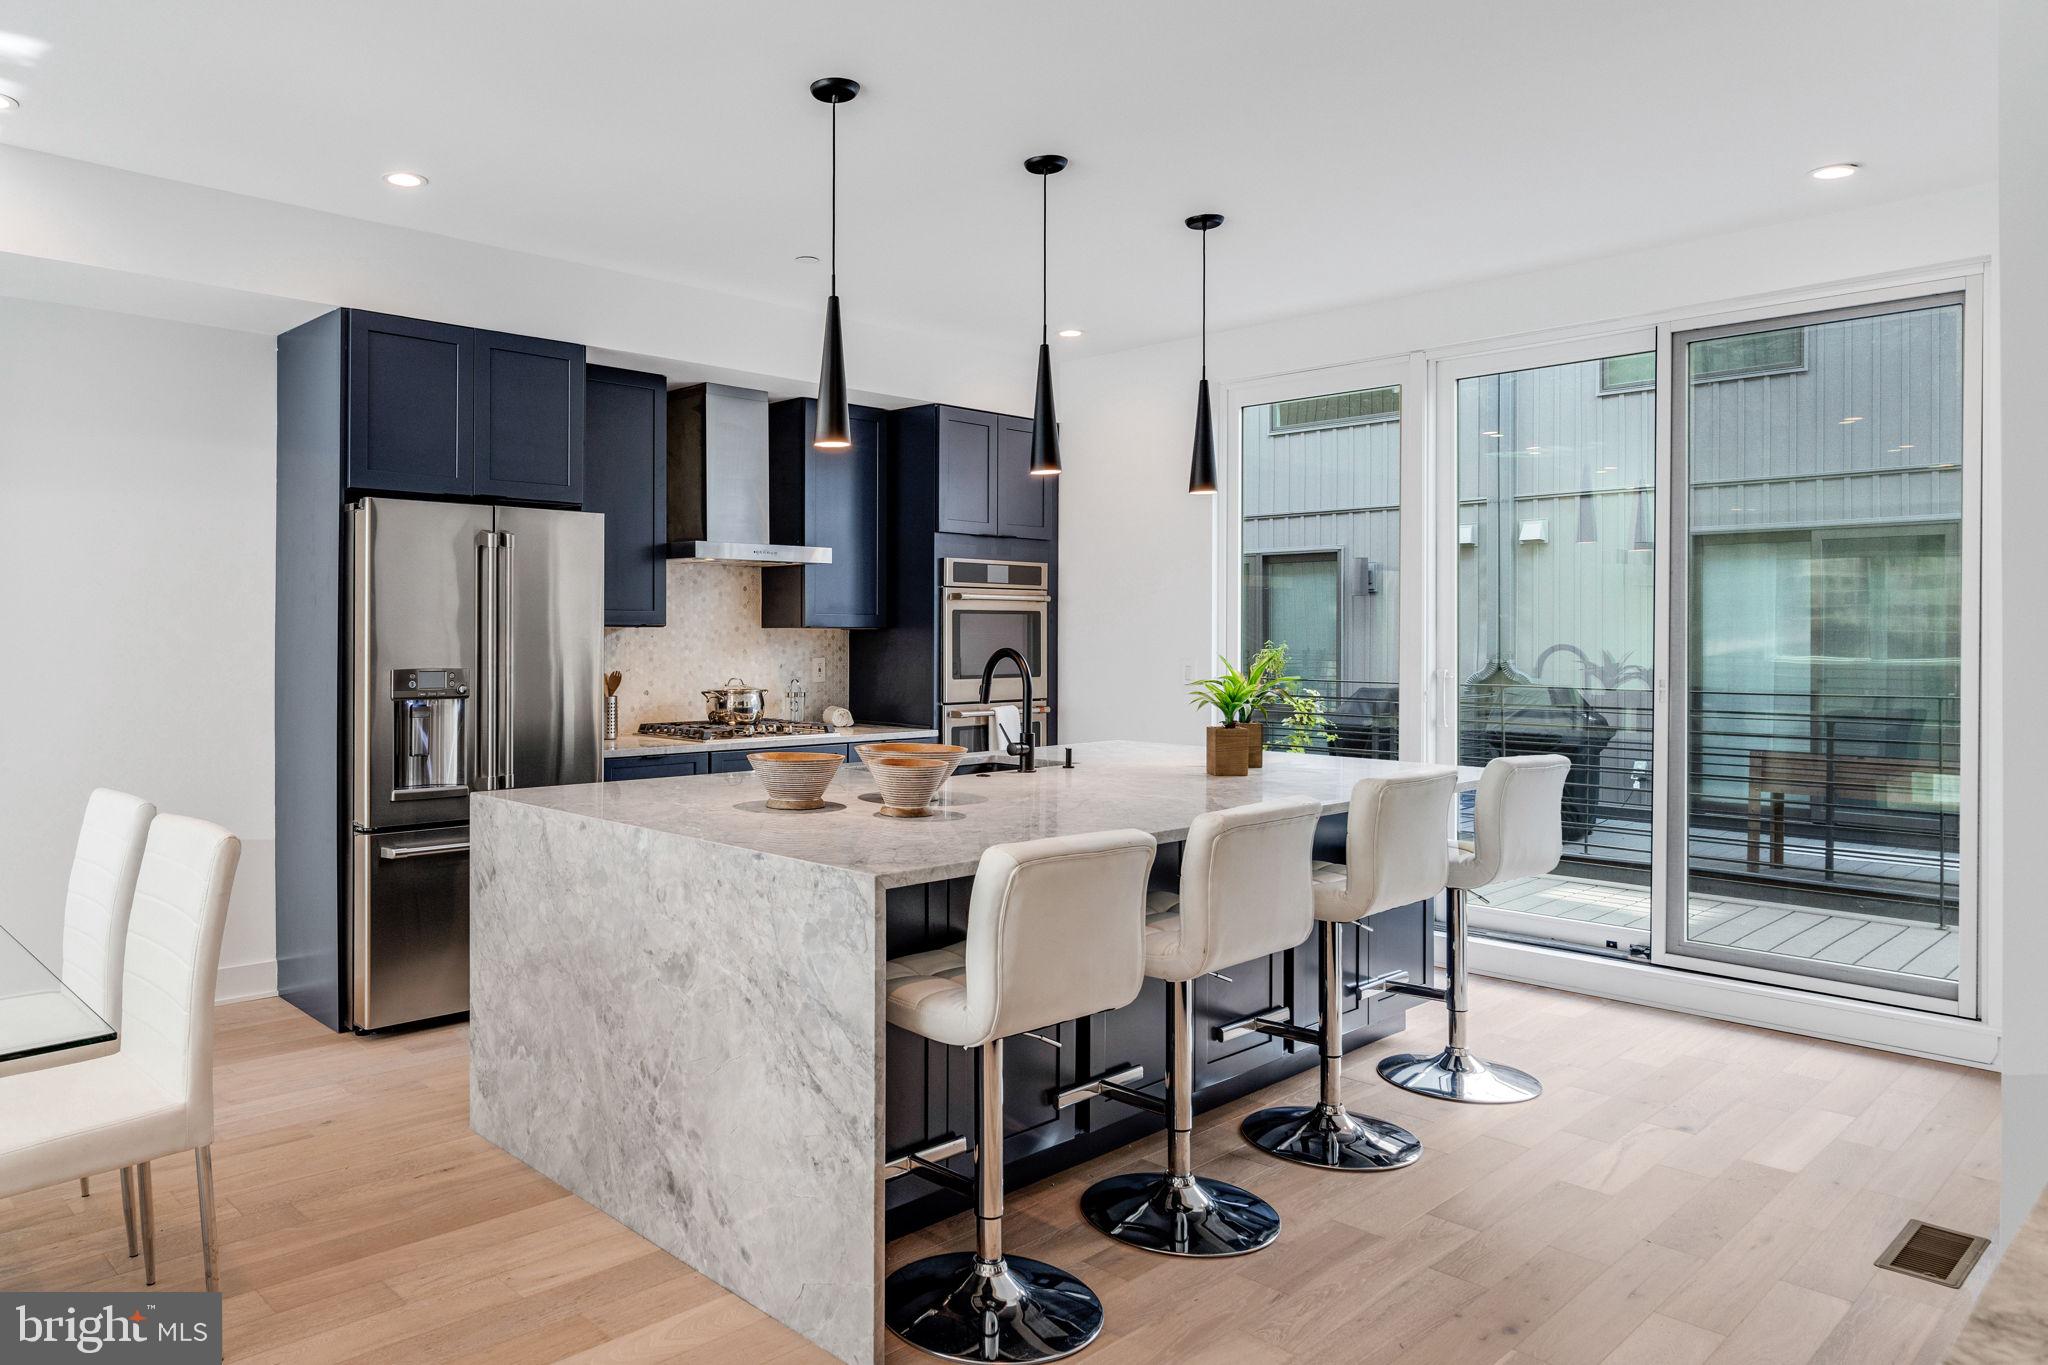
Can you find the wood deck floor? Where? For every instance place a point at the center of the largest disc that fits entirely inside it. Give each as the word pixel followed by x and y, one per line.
pixel 1892 945
pixel 1686 1191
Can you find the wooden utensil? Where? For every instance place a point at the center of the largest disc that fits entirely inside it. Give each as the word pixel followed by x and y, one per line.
pixel 612 681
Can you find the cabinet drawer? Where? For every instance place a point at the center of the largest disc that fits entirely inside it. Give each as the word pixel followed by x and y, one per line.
pixel 655 765
pixel 735 760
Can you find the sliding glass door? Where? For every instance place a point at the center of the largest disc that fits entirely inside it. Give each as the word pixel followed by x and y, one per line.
pixel 1821 595
pixel 1318 530
pixel 1550 584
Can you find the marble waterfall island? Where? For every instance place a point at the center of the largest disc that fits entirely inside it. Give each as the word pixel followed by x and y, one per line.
pixel 676 996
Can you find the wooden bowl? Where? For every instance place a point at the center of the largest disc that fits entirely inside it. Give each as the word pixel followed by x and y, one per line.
pixel 795 781
pixel 909 781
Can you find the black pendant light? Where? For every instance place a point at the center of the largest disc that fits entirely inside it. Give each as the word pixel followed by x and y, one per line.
pixel 834 429
pixel 1045 426
pixel 1202 472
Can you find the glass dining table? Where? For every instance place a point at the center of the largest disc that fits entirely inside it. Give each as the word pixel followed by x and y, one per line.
pixel 40 1015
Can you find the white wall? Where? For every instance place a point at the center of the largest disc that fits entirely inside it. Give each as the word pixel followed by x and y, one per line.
pixel 1136 552
pixel 136 516
pixel 2016 646
pixel 85 232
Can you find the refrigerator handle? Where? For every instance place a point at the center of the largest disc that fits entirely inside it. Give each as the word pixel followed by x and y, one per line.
pixel 502 701
pixel 487 660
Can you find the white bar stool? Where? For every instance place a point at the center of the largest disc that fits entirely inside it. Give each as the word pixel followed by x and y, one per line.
pixel 1394 855
pixel 1517 831
pixel 1244 894
pixel 1055 931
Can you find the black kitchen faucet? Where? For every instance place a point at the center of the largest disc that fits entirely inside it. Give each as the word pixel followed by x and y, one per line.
pixel 1022 748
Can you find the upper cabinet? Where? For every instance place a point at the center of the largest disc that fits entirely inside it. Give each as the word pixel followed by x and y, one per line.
pixel 1024 501
pixel 981 464
pixel 625 463
pixel 831 498
pixel 408 409
pixel 459 412
pixel 968 482
pixel 529 419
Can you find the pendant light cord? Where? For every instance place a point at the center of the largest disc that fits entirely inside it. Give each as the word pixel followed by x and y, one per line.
pixel 835 197
pixel 1044 257
pixel 1205 303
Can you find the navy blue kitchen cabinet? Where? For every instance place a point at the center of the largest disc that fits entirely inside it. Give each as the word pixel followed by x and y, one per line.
pixel 629 768
pixel 735 760
pixel 832 498
pixel 625 465
pixel 967 484
pixel 980 475
pixel 1025 502
pixel 529 419
pixel 409 413
pixel 456 412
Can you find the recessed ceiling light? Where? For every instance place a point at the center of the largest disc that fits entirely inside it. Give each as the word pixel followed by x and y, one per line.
pixel 8 102
pixel 1848 421
pixel 405 180
pixel 1070 332
pixel 1840 170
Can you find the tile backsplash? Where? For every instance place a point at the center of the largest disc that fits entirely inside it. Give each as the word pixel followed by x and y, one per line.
pixel 714 632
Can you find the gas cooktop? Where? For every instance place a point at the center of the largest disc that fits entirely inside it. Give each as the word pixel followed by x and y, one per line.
pixel 766 727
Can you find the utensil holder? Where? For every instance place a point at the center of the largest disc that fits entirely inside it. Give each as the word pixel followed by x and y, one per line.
pixel 611 720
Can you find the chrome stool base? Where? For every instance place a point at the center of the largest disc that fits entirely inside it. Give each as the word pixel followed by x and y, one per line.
pixel 1332 1139
pixel 1013 1309
pixel 1180 1215
pixel 1456 1075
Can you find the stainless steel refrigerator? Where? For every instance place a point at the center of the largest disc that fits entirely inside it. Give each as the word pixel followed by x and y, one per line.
pixel 475 636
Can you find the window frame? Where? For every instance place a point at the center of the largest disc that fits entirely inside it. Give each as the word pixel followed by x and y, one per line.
pixel 1674 623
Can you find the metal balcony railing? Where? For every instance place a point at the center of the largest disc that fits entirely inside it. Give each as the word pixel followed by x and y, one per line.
pixel 1852 796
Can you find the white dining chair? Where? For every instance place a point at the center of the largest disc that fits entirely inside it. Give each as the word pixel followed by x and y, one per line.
pixel 97 901
pixel 153 1097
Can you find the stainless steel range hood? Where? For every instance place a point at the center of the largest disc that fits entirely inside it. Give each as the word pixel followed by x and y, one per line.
pixel 718 483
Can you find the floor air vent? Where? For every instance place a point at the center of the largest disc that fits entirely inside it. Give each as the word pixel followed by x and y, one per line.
pixel 1926 1252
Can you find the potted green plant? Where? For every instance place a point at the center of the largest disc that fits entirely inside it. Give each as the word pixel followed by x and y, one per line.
pixel 1274 688
pixel 1235 695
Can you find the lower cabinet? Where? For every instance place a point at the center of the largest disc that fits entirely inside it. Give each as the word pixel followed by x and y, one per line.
pixel 626 769
pixel 735 760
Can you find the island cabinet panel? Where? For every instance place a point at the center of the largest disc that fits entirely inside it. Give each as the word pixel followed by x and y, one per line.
pixel 930 1087
pixel 831 498
pixel 625 463
pixel 457 412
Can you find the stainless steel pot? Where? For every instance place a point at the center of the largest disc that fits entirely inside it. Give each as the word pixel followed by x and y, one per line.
pixel 733 704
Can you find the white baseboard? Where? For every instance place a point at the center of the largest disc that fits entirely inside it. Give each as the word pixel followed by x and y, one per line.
pixel 245 981
pixel 1890 1028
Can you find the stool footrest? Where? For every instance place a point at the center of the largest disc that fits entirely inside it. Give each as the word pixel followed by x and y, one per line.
pixel 1111 1085
pixel 1417 989
pixel 924 1162
pixel 1273 1021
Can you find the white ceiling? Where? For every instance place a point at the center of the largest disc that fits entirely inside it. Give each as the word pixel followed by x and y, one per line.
pixel 1359 150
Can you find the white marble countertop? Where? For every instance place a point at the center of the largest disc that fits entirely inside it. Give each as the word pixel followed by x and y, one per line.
pixel 647 746
pixel 1118 784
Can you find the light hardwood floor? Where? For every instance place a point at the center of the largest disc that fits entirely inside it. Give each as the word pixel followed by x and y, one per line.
pixel 1685 1192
